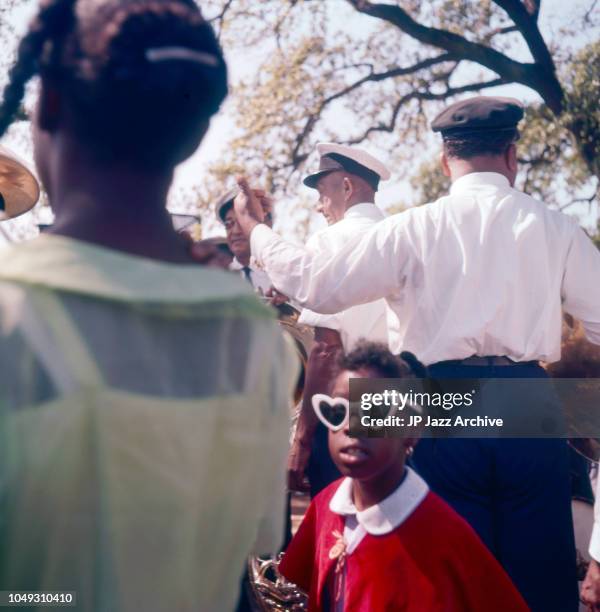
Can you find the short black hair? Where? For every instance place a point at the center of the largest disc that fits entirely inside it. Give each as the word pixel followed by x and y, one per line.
pixel 465 145
pixel 377 357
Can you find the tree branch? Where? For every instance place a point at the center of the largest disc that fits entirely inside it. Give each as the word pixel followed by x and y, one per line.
pixel 527 25
pixel 297 158
pixel 221 16
pixel 586 17
pixel 506 30
pixel 589 201
pixel 533 8
pixel 394 72
pixel 422 95
pixel 531 75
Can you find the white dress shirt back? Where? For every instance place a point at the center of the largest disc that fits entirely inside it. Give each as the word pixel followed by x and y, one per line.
pixel 367 321
pixel 483 271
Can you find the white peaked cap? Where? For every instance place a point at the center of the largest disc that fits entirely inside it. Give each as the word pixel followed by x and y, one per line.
pixel 352 159
pixel 357 154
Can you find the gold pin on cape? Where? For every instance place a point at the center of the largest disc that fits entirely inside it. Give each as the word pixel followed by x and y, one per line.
pixel 339 548
pixel 19 189
pixel 338 551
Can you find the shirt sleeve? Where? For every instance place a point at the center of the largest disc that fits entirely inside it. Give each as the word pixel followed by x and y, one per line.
pixel 308 317
pixel 367 268
pixel 581 284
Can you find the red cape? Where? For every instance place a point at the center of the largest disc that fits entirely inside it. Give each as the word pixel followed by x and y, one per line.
pixel 432 562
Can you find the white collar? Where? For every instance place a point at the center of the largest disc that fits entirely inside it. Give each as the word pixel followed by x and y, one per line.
pixel 388 514
pixel 236 266
pixel 365 209
pixel 477 179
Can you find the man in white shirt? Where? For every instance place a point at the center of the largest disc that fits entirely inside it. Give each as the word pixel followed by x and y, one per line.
pixel 478 280
pixel 346 180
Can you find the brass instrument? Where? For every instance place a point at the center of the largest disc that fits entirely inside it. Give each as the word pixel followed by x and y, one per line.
pixel 271 592
pixel 303 336
pixel 19 189
pixel 268 590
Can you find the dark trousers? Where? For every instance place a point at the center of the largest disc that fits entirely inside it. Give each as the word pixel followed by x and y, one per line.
pixel 321 470
pixel 515 493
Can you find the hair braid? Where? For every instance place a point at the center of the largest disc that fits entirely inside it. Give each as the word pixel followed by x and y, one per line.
pixel 53 19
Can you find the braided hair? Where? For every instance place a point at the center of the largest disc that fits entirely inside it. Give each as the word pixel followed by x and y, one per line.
pixel 142 77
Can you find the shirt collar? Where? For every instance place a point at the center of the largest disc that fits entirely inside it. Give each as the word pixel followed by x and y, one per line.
pixel 478 179
pixel 388 514
pixel 235 265
pixel 366 209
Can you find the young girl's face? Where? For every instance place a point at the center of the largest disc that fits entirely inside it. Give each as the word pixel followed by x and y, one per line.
pixel 364 458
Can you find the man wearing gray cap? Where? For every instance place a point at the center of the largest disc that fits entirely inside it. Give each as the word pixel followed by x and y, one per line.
pixel 346 180
pixel 478 281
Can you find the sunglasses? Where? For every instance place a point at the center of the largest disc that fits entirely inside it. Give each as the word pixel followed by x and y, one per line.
pixel 333 412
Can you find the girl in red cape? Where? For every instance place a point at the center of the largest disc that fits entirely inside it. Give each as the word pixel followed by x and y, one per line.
pixel 378 540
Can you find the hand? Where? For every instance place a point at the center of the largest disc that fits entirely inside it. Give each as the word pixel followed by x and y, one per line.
pixel 590 589
pixel 276 298
pixel 298 458
pixel 205 252
pixel 248 206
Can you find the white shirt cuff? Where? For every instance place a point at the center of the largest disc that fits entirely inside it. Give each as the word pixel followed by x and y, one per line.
pixel 594 548
pixel 308 317
pixel 259 238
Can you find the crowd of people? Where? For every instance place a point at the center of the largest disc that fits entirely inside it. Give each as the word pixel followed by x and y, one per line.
pixel 145 389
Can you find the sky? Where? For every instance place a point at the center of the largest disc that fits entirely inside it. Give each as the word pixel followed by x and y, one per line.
pixel 554 14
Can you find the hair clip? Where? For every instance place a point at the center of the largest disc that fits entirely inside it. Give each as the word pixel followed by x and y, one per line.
pixel 333 412
pixel 164 54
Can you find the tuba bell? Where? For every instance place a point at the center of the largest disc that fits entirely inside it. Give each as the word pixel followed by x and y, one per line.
pixel 270 592
pixel 19 189
pixel 303 336
pixel 267 589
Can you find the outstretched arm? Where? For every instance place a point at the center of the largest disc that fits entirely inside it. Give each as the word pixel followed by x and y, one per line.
pixel 372 266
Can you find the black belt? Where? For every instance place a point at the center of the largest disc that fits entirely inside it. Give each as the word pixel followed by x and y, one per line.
pixel 475 360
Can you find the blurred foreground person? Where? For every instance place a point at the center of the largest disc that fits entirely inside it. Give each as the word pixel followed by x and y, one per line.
pixel 142 398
